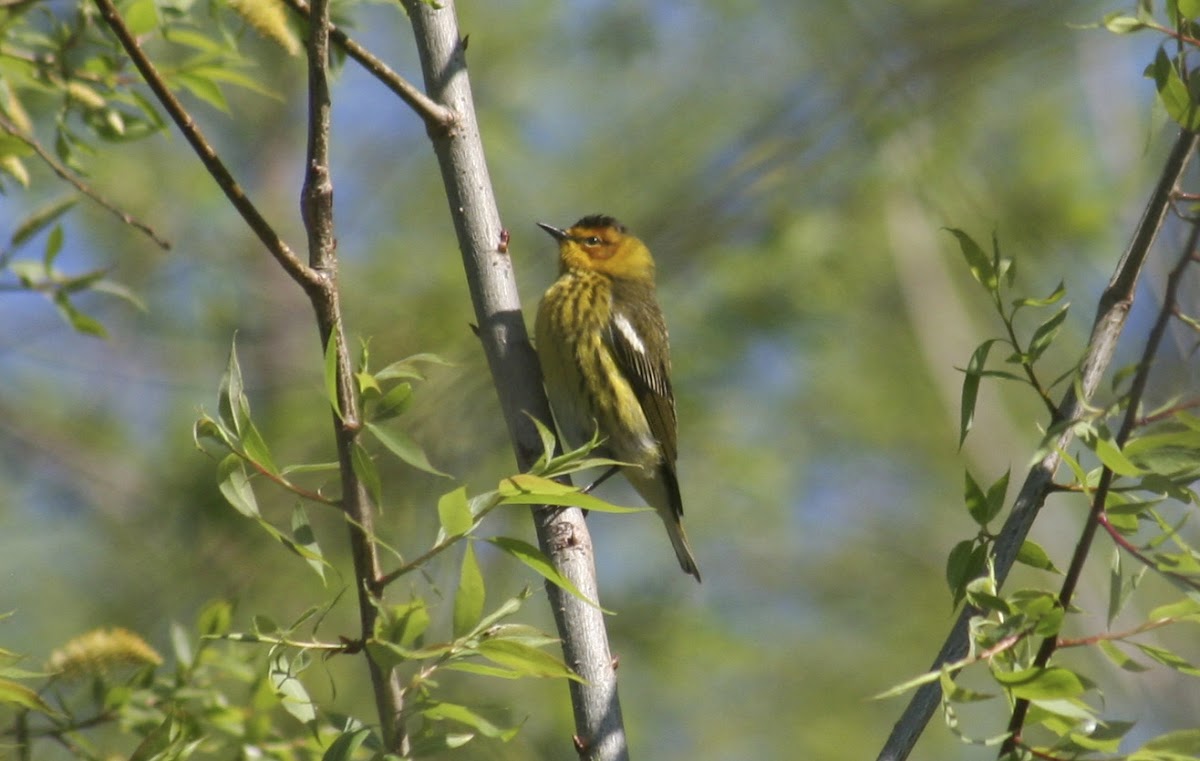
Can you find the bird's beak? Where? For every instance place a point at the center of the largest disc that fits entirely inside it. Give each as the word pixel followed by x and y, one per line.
pixel 555 233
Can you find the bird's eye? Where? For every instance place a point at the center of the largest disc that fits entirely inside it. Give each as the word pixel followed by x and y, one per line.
pixel 593 240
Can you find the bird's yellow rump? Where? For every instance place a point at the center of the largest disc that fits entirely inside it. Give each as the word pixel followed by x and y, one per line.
pixel 605 357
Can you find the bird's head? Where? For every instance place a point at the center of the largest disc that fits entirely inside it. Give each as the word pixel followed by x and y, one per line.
pixel 602 244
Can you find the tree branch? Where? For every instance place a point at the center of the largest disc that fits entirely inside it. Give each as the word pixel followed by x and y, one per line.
pixel 75 181
pixel 435 116
pixel 1099 500
pixel 183 120
pixel 562 533
pixel 1111 313
pixel 316 207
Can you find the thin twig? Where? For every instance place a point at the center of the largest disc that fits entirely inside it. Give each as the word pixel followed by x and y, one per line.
pixel 233 191
pixel 1111 313
pixel 66 174
pixel 435 115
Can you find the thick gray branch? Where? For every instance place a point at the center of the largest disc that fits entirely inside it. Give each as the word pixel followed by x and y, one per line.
pixel 562 534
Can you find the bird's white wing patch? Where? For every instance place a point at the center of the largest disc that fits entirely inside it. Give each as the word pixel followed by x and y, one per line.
pixel 621 322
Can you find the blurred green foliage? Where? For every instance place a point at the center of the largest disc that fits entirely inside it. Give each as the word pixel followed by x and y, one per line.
pixel 789 164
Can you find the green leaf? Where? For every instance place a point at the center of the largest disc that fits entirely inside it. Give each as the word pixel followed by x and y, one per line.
pixel 231 396
pixel 204 88
pixel 346 745
pixel 215 618
pixel 528 489
pixel 1187 609
pixel 306 541
pixel 455 513
pixel 1120 658
pixel 402 446
pixel 1033 555
pixel 16 694
pixel 80 322
pixel 469 597
pixel 1173 92
pixel 1169 658
pixel 141 16
pixel 403 624
pixel 526 660
pixel 393 403
pixel 966 561
pixel 980 264
pixel 42 218
pixel 54 244
pixel 235 486
pixel 1113 458
pixel 1183 745
pixel 533 558
pixel 464 715
pixel 1118 22
pixel 368 474
pixel 289 689
pixel 1045 334
pixel 1053 298
pixel 970 388
pixel 331 374
pixel 1040 683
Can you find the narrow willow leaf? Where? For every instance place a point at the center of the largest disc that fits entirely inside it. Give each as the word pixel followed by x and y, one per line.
pixel 528 489
pixel 970 388
pixel 1120 658
pixel 529 661
pixel 393 403
pixel 235 486
pixel 400 444
pixel 535 559
pixel 16 694
pixel 1040 683
pixel 980 264
pixel 403 624
pixel 42 218
pixel 1114 459
pixel 368 474
pixel 230 391
pixel 455 513
pixel 464 715
pixel 306 541
pixel 469 597
pixel 1033 555
pixel 976 501
pixel 1187 609
pixel 346 745
pixel 1173 746
pixel 289 689
pixel 1169 658
pixel 331 374
pixel 1045 334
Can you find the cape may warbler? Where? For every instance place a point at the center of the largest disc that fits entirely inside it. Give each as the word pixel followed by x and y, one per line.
pixel 602 343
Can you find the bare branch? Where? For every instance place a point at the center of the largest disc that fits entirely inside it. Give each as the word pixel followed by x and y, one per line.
pixel 562 533
pixel 66 174
pixel 1111 313
pixel 435 116
pixel 233 191
pixel 316 206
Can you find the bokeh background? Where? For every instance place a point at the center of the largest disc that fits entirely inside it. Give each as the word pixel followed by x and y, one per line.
pixel 791 166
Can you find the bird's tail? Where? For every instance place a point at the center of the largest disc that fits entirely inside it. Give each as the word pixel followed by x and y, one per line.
pixel 661 491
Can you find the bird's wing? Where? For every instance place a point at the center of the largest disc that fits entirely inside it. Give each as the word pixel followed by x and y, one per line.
pixel 637 338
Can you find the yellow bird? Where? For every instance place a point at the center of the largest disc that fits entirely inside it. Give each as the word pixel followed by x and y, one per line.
pixel 602 344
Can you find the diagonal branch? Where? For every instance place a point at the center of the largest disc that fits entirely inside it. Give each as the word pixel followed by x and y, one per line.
pixel 66 174
pixel 1083 547
pixel 436 116
pixel 204 150
pixel 562 533
pixel 1111 313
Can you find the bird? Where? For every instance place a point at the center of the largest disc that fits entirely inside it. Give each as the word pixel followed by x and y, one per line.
pixel 603 348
